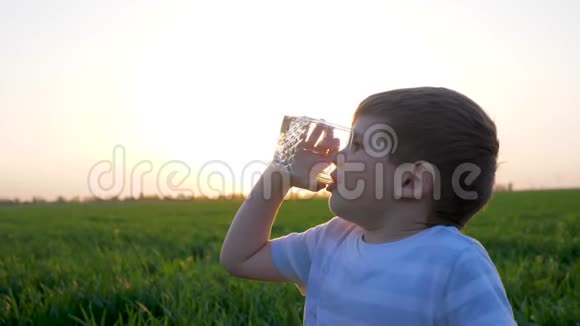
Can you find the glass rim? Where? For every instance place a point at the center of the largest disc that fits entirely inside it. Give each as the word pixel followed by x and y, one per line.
pixel 322 121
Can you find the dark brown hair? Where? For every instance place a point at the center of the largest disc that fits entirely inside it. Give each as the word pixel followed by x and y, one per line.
pixel 446 129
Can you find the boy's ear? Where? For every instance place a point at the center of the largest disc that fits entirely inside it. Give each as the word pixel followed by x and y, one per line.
pixel 418 182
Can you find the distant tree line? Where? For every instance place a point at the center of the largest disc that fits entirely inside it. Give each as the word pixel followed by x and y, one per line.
pixel 500 187
pixel 293 195
pixel 179 197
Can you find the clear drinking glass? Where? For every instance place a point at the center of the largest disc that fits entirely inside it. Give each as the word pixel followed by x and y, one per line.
pixel 295 129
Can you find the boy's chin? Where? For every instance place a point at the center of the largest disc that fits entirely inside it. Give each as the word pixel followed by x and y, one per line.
pixel 343 210
pixel 332 205
pixel 354 210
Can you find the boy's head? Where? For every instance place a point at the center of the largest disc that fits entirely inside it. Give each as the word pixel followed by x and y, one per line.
pixel 426 150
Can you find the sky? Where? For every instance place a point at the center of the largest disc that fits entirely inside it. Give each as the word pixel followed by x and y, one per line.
pixel 190 89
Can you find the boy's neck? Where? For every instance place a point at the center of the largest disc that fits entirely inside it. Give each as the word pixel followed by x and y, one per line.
pixel 397 227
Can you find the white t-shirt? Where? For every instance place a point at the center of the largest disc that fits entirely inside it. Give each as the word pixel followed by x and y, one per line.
pixel 436 277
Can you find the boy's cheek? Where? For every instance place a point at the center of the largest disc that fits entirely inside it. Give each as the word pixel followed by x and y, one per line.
pixel 363 182
pixel 360 211
pixel 363 186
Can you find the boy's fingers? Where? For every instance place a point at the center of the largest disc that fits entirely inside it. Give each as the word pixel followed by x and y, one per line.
pixel 329 145
pixel 317 186
pixel 329 132
pixel 303 137
pixel 327 142
pixel 314 136
pixel 317 155
pixel 313 185
pixel 308 165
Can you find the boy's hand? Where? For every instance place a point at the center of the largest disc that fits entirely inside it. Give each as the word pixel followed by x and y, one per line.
pixel 246 251
pixel 312 156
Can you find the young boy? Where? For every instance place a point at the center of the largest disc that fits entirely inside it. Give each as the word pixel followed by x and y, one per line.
pixel 420 163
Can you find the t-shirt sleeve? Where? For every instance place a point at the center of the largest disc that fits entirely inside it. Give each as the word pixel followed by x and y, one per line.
pixel 293 254
pixel 475 294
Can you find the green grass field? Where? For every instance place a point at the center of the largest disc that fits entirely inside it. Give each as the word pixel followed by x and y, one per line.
pixel 157 262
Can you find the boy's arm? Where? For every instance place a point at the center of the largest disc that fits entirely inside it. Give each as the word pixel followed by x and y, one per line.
pixel 246 251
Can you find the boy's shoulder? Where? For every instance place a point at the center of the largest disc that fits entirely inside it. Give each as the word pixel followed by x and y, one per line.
pixel 336 229
pixel 454 243
pixel 454 238
pixel 448 236
pixel 455 251
pixel 446 240
pixel 337 223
